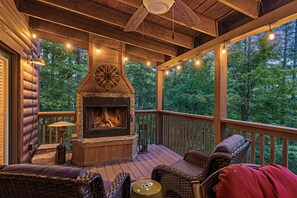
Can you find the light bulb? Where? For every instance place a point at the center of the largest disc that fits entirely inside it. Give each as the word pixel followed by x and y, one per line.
pixel 68 45
pixel 98 51
pixel 34 35
pixel 126 59
pixel 148 63
pixel 224 50
pixel 271 35
pixel 167 72
pixel 179 67
pixel 198 62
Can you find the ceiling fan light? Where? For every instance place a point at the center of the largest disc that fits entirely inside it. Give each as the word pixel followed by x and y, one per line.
pixel 158 6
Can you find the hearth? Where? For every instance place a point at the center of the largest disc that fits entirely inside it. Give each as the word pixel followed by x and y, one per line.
pixel 106 116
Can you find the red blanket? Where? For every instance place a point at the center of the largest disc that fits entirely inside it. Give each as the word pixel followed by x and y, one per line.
pixel 268 181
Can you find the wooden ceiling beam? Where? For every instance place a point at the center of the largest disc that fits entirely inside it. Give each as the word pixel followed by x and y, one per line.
pixel 247 7
pixel 146 54
pixel 61 39
pixel 58 33
pixel 142 60
pixel 276 17
pixel 114 17
pixel 207 25
pixel 85 24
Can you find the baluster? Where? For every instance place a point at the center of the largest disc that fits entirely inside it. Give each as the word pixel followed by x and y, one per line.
pixel 43 130
pixel 68 141
pixel 197 132
pixel 201 137
pixel 253 148
pixel 285 152
pixel 272 149
pixel 261 149
pixel 57 135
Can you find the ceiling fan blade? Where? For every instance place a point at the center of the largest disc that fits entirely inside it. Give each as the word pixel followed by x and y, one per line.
pixel 136 19
pixel 185 14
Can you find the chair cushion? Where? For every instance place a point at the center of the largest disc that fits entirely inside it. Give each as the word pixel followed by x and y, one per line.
pixel 230 145
pixel 49 170
pixel 267 181
pixel 187 167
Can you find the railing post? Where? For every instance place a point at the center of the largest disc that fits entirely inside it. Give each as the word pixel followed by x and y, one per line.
pixel 220 93
pixel 159 107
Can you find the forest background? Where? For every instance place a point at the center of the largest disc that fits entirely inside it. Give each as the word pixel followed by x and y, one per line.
pixel 262 82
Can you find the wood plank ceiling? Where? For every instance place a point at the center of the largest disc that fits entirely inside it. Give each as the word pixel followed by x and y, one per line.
pixel 74 20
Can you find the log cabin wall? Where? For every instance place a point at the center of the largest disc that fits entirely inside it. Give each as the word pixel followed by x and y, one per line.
pixel 15 39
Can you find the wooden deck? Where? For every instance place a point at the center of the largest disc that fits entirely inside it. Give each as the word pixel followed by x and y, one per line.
pixel 140 167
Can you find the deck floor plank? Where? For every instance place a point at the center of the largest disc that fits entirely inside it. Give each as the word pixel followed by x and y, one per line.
pixel 140 167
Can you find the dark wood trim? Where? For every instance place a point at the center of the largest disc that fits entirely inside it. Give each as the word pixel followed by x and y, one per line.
pixel 15 105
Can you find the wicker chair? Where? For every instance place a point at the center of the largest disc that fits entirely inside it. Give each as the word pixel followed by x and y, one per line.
pixel 26 180
pixel 196 166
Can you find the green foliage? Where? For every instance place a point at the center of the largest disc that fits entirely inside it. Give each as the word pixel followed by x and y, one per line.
pixel 143 79
pixel 191 90
pixel 58 79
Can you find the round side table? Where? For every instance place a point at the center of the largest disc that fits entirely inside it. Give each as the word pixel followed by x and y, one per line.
pixel 146 188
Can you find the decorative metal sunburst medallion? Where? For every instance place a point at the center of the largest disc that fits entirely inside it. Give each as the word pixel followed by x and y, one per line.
pixel 107 76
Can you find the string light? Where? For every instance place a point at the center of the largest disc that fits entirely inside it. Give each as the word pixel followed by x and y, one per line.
pixel 68 45
pixel 148 63
pixel 98 51
pixel 198 62
pixel 167 72
pixel 179 67
pixel 34 35
pixel 126 59
pixel 271 35
pixel 224 49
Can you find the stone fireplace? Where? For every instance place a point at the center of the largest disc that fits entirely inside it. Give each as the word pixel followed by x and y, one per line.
pixel 105 108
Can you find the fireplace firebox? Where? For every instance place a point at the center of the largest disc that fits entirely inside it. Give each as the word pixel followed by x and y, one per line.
pixel 106 116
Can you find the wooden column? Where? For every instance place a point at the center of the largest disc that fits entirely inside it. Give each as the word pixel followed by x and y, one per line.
pixel 159 106
pixel 220 93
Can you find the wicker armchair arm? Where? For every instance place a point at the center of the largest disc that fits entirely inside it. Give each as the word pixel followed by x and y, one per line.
pixel 120 186
pixel 174 183
pixel 215 162
pixel 2 166
pixel 198 158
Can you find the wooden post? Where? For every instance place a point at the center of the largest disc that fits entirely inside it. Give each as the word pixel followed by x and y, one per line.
pixel 220 93
pixel 159 106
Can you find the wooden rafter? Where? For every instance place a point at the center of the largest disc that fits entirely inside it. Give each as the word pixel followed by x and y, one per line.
pixel 278 16
pixel 114 17
pixel 249 8
pixel 207 26
pixel 58 33
pixel 85 24
pixel 145 54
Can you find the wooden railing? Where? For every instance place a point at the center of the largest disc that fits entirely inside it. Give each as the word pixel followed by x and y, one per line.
pixel 48 135
pixel 271 144
pixel 182 132
pixel 149 118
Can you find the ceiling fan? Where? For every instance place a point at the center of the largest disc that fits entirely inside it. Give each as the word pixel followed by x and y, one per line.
pixel 183 12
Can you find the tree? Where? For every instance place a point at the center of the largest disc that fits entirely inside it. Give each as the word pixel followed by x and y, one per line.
pixel 143 79
pixel 59 78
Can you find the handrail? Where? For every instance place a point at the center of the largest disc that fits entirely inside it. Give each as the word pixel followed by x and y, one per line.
pixel 188 115
pixel 277 131
pixel 55 114
pixel 146 111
